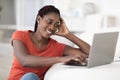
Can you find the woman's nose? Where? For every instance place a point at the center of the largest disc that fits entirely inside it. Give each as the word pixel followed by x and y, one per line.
pixel 52 27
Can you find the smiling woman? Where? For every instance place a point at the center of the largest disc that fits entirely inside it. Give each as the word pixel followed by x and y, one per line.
pixel 50 23
pixel 35 51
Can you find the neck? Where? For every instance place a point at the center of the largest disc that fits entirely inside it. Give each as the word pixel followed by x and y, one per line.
pixel 39 39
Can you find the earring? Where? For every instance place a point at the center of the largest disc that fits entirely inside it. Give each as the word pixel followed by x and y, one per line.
pixel 57 30
pixel 38 21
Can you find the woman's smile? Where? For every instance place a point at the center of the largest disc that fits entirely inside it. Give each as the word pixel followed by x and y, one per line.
pixel 49 32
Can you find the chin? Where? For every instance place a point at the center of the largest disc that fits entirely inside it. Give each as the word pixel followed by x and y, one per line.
pixel 46 37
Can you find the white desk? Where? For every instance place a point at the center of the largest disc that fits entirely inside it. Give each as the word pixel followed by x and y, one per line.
pixel 104 72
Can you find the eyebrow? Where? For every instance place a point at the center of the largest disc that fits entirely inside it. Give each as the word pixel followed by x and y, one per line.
pixel 52 20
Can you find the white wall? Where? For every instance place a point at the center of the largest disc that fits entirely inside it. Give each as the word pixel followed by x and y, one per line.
pixel 7 14
pixel 107 14
pixel 26 11
pixel 107 8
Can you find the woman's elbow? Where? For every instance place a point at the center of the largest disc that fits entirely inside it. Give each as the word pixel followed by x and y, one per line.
pixel 24 63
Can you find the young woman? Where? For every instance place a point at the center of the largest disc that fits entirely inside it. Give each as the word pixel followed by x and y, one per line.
pixel 35 51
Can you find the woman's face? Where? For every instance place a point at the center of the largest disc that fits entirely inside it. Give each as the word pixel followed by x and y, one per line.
pixel 49 24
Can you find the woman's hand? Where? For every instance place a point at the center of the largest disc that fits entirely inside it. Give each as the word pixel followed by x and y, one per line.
pixel 80 58
pixel 62 30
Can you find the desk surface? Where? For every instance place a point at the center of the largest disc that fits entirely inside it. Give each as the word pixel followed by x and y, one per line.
pixel 65 72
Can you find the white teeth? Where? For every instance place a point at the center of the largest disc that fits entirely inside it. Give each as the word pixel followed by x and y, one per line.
pixel 48 31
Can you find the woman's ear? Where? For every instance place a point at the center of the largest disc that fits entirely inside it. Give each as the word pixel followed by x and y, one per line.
pixel 38 19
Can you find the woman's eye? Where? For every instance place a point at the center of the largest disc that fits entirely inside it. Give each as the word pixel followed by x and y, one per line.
pixel 49 22
pixel 57 25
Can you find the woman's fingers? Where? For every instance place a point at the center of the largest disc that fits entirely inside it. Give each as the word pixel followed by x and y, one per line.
pixel 80 58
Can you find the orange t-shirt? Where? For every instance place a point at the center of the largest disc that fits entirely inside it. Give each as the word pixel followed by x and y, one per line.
pixel 53 49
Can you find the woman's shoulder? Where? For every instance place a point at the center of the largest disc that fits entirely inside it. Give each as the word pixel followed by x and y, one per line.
pixel 21 31
pixel 20 34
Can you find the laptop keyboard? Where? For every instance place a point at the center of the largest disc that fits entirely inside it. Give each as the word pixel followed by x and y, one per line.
pixel 75 63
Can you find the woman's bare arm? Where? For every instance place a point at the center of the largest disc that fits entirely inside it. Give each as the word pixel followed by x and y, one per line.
pixel 28 60
pixel 82 51
pixel 83 46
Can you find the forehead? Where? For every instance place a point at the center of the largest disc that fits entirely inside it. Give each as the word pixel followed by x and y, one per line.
pixel 52 16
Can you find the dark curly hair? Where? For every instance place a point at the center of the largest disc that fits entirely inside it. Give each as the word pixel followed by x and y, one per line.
pixel 44 11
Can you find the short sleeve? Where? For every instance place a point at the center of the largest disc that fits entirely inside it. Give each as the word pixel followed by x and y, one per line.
pixel 18 35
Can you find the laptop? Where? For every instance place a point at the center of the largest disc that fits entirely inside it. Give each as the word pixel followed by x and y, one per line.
pixel 102 50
